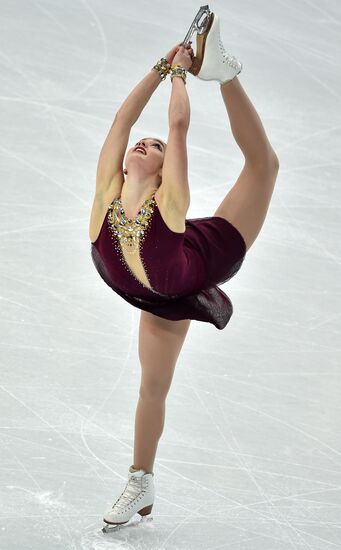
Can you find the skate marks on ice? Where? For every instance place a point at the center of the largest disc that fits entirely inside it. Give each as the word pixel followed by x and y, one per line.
pixel 97 539
pixel 135 521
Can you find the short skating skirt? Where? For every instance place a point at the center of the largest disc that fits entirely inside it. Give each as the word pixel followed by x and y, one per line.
pixel 222 248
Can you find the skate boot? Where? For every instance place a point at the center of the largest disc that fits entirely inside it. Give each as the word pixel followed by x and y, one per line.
pixel 138 497
pixel 211 61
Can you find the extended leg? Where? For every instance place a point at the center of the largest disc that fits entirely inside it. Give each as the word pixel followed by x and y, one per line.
pixel 246 125
pixel 160 342
pixel 247 202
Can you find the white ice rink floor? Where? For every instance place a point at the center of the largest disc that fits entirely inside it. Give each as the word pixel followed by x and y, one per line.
pixel 250 457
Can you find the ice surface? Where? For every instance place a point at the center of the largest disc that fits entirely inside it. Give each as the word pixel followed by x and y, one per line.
pixel 250 454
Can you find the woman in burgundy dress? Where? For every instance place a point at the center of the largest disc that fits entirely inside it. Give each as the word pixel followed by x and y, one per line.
pixel 149 253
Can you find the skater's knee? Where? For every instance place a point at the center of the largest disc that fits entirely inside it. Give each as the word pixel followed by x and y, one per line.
pixel 154 391
pixel 154 394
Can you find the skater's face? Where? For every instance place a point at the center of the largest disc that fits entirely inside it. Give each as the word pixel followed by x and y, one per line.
pixel 150 159
pixel 152 142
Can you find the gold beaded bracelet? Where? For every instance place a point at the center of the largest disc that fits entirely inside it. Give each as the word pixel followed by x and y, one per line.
pixel 178 70
pixel 163 67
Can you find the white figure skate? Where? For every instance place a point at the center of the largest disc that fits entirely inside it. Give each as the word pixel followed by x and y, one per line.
pixel 211 61
pixel 138 497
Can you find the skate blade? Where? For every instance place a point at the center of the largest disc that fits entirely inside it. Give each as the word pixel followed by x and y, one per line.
pixel 114 527
pixel 196 26
pixel 202 29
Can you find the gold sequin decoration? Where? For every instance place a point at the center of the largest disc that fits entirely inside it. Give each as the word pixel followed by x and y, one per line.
pixel 130 232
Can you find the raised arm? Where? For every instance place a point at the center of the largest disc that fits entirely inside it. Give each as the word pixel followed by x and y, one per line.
pixel 175 185
pixel 110 162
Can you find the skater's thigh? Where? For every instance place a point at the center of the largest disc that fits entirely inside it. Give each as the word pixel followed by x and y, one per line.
pixel 159 346
pixel 246 204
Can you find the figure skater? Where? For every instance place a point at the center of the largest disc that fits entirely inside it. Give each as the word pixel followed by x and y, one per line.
pixel 157 260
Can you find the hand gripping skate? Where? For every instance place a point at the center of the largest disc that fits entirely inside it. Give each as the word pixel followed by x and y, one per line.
pixel 138 497
pixel 211 61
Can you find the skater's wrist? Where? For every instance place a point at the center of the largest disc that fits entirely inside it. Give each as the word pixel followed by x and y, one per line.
pixel 178 70
pixel 162 67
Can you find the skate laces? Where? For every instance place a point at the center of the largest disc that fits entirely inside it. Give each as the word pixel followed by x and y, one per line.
pixel 227 58
pixel 131 491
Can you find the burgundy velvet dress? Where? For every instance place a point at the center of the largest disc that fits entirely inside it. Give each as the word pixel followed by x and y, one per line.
pixel 183 269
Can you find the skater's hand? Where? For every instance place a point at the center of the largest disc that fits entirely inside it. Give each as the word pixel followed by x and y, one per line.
pixel 184 56
pixel 171 54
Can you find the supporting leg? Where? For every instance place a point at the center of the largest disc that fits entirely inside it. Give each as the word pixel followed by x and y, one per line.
pixel 149 423
pixel 160 343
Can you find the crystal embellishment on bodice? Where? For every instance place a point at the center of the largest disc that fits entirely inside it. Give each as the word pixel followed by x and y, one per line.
pixel 130 232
